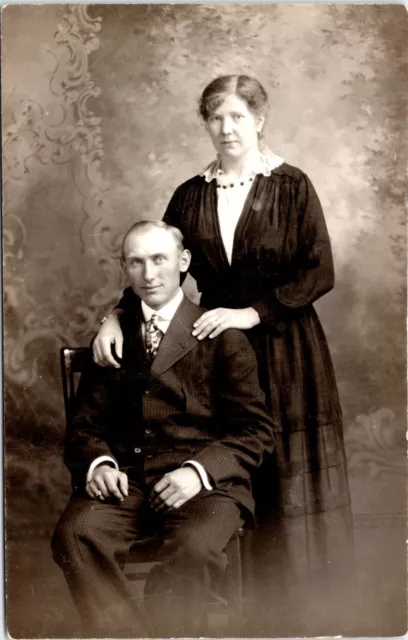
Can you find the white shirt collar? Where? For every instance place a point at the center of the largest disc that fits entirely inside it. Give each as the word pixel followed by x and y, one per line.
pixel 262 163
pixel 167 312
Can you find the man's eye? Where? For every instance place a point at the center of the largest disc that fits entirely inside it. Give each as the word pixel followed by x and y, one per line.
pixel 158 259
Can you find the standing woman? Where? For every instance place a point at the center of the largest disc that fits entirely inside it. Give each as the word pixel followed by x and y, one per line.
pixel 261 258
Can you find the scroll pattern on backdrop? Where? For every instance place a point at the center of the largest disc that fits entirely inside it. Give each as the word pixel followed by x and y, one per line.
pixel 375 446
pixel 58 140
pixel 75 140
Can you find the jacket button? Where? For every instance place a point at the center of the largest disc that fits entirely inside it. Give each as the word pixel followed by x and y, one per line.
pixel 147 392
pixel 137 450
pixel 148 432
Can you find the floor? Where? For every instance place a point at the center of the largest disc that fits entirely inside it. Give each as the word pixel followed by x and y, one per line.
pixel 39 605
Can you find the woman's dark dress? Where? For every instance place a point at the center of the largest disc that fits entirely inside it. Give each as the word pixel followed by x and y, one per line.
pixel 281 264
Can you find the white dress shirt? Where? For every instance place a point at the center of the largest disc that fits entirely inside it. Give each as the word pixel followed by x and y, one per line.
pixel 165 316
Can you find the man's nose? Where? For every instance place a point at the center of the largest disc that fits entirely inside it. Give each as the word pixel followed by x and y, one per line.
pixel 149 271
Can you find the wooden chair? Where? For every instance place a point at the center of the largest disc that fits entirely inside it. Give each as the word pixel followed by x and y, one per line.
pixel 148 551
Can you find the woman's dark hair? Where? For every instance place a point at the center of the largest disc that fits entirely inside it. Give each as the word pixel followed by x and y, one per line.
pixel 248 89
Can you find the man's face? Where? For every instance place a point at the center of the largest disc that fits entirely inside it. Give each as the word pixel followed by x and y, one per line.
pixel 153 263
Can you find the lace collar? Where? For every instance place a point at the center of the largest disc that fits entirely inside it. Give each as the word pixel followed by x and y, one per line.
pixel 265 162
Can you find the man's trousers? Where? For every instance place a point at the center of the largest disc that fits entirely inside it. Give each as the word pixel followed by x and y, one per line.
pixel 91 543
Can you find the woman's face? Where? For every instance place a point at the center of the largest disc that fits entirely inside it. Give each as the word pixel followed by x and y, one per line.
pixel 233 128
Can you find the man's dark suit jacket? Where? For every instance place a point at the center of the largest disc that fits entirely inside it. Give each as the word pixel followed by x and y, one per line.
pixel 199 400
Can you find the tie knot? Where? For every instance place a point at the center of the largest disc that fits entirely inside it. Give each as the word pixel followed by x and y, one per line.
pixel 154 319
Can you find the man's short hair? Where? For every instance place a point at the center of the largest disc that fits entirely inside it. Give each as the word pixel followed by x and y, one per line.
pixel 144 225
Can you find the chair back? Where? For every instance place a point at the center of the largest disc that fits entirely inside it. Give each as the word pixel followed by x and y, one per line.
pixel 73 361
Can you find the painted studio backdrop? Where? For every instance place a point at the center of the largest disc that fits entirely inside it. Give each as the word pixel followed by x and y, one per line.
pixel 99 127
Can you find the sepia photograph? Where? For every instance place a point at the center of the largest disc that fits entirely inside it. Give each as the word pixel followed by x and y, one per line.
pixel 204 312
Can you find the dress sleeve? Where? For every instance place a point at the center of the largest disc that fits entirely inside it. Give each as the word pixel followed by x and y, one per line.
pixel 313 270
pixel 173 212
pixel 127 300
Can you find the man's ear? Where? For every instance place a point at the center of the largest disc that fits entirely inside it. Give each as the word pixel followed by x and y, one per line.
pixel 184 260
pixel 123 265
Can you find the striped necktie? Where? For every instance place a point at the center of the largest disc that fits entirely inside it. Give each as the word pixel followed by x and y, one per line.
pixel 153 336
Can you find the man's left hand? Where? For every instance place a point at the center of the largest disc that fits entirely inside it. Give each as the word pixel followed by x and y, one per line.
pixel 175 488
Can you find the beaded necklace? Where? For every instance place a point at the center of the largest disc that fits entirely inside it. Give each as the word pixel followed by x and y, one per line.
pixel 232 184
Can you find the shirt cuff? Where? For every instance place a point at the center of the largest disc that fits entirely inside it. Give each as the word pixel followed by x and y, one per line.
pixel 96 463
pixel 201 472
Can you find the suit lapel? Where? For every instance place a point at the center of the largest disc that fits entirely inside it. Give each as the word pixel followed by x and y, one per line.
pixel 177 340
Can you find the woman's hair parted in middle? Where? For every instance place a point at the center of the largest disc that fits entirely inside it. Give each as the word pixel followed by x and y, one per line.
pixel 247 88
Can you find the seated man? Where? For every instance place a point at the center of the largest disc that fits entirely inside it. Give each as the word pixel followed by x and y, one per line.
pixel 174 433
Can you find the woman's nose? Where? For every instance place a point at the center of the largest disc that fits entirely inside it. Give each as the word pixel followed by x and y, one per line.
pixel 226 126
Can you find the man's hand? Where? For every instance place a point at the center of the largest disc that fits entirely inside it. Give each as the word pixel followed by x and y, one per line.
pixel 109 334
pixel 175 488
pixel 107 482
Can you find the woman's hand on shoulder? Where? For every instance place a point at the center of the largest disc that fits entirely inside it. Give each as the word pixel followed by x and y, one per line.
pixel 214 322
pixel 110 334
